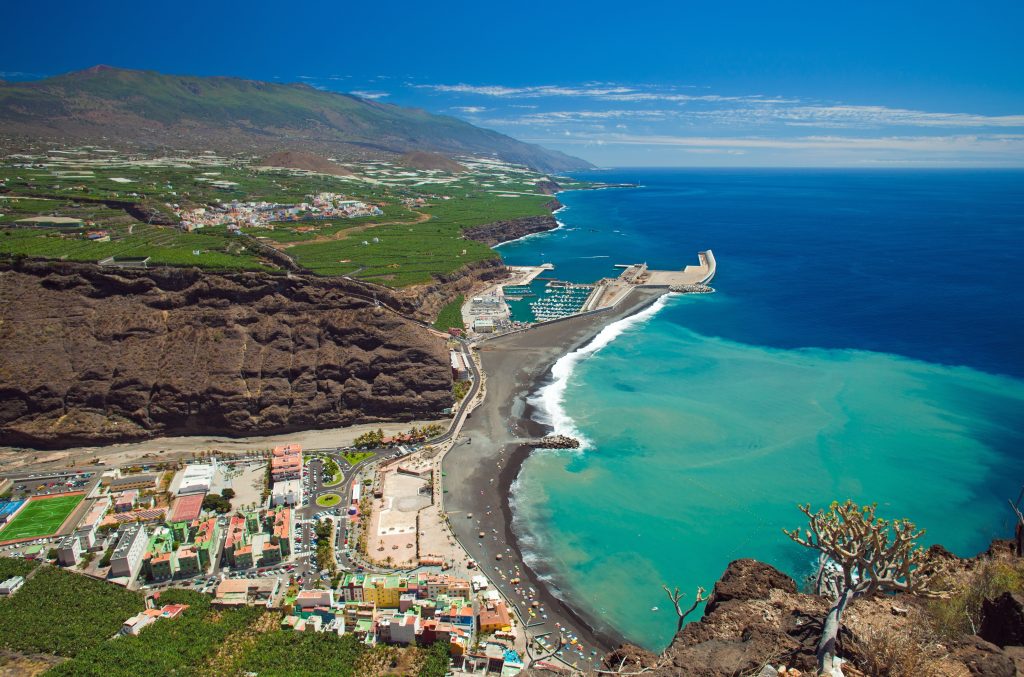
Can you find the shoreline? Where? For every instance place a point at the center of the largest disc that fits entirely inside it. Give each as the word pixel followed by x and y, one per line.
pixel 516 366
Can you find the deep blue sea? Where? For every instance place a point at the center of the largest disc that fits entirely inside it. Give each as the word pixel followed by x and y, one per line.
pixel 864 342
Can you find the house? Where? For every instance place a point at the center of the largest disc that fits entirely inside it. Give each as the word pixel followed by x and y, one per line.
pixel 495 618
pixel 141 481
pixel 126 501
pixel 245 591
pixel 483 326
pixel 286 467
pixel 86 529
pixel 237 537
pixel 187 561
pixel 399 629
pixel 459 370
pixel 279 524
pixel 309 599
pixel 287 492
pixel 134 625
pixel 205 536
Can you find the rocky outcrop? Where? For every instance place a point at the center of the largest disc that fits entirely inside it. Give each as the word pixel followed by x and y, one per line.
pixel 556 442
pixel 93 355
pixel 425 301
pixel 756 621
pixel 1002 620
pixel 492 234
pixel 548 187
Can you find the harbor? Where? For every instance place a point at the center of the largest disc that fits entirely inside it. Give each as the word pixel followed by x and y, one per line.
pixel 532 294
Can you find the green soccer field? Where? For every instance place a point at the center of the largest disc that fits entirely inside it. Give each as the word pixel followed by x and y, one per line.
pixel 40 517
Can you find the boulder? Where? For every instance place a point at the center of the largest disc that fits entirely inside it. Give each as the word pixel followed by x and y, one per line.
pixel 1002 620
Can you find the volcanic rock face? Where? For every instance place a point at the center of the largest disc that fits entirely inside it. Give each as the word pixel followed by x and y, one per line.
pixel 91 355
pixel 504 231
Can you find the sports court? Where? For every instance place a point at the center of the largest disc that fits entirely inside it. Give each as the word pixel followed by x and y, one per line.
pixel 42 516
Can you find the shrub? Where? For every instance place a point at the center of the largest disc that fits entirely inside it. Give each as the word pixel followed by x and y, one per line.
pixel 960 613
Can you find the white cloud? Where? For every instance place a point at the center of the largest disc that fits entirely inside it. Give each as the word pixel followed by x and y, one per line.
pixel 369 95
pixel 470 110
pixel 999 143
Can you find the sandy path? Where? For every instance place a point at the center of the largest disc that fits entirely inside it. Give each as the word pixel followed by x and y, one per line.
pixel 171 448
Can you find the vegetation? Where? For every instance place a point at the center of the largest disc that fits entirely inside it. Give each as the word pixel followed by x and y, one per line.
pixel 88 611
pixel 10 566
pixel 217 502
pixel 870 555
pixel 372 438
pixel 328 500
pixel 332 471
pixel 959 613
pixel 450 316
pixel 324 530
pixel 282 653
pixel 460 389
pixel 167 647
pixel 436 663
pixel 108 555
pixel 352 458
pixel 228 493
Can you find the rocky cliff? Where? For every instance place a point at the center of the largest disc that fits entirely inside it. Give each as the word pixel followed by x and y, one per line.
pixel 756 623
pixel 93 355
pixel 495 233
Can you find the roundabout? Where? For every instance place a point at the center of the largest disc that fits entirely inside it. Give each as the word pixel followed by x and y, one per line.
pixel 328 500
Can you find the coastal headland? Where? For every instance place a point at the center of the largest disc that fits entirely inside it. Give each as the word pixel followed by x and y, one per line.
pixel 485 461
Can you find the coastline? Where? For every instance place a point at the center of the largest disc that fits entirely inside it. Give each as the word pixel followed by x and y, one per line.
pixel 515 367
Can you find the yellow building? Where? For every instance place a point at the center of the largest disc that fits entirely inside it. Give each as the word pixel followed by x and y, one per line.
pixel 384 591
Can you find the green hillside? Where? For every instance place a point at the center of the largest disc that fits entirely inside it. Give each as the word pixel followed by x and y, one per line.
pixel 145 107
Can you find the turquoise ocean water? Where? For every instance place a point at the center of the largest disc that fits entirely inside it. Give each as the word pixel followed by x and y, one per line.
pixel 864 343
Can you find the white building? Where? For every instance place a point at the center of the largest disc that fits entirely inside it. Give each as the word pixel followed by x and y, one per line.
pixel 196 479
pixel 287 492
pixel 69 550
pixel 310 599
pixel 127 557
pixel 86 529
pixel 483 326
pixel 11 585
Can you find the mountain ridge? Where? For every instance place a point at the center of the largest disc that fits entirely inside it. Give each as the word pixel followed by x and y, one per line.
pixel 151 109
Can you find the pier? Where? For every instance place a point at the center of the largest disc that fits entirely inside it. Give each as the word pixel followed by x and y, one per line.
pixel 489 313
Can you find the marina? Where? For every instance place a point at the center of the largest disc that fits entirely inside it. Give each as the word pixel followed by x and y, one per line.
pixel 532 294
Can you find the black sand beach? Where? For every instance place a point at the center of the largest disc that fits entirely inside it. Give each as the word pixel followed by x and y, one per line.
pixel 486 460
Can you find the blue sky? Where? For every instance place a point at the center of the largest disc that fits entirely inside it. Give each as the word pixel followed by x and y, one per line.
pixel 670 83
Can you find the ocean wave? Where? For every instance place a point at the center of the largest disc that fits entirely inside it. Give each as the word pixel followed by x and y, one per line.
pixel 599 256
pixel 550 399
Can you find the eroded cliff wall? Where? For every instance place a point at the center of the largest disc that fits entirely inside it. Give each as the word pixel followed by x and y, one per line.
pixel 91 355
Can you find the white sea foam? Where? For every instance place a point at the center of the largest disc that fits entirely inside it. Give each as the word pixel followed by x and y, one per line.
pixel 560 226
pixel 550 399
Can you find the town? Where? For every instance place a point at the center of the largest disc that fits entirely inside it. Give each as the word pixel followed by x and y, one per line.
pixel 296 532
pixel 236 214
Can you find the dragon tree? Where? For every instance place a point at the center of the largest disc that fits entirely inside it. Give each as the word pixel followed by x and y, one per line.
pixel 861 555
